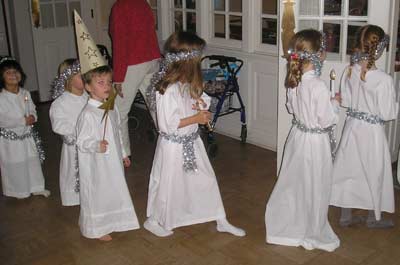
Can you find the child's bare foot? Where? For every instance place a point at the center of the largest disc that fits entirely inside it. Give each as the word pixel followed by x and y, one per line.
pixel 105 238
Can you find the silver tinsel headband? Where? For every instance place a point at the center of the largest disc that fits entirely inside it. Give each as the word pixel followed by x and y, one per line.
pixel 164 64
pixel 7 58
pixel 58 86
pixel 357 57
pixel 314 58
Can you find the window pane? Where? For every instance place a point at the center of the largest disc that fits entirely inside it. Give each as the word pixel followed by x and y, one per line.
pixel 351 37
pixel 269 31
pixel 75 5
pixel 332 31
pixel 235 27
pixel 308 24
pixel 333 7
pixel 178 3
pixel 191 22
pixel 61 15
pixel 269 7
pixel 358 7
pixel 191 4
pixel 219 5
pixel 309 7
pixel 178 21
pixel 46 15
pixel 219 26
pixel 235 5
pixel 153 3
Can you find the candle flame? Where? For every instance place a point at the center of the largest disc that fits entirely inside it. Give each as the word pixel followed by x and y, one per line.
pixel 26 98
pixel 332 74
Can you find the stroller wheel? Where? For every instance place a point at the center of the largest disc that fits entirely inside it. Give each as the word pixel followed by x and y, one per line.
pixel 212 150
pixel 243 134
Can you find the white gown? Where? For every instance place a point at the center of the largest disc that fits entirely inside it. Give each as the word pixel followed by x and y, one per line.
pixel 362 172
pixel 64 112
pixel 297 210
pixel 106 205
pixel 176 197
pixel 21 172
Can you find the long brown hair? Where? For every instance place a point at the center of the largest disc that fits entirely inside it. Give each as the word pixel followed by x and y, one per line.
pixel 367 40
pixel 185 71
pixel 308 40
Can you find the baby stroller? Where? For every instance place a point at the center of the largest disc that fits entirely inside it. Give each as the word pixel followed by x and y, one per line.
pixel 221 84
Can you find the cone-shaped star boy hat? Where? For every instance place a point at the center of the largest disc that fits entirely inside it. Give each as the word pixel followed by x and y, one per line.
pixel 89 55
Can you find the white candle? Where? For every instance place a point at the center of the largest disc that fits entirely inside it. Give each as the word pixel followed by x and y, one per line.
pixel 332 76
pixel 27 111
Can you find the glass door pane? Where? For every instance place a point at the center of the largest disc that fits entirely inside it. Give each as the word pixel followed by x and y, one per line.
pixel 219 5
pixel 333 7
pixel 235 27
pixel 235 6
pixel 219 26
pixel 358 7
pixel 309 7
pixel 269 26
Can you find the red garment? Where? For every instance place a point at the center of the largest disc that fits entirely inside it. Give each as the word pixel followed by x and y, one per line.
pixel 134 39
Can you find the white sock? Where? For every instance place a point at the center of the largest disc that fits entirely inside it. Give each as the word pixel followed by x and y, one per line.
pixel 154 227
pixel 224 226
pixel 45 193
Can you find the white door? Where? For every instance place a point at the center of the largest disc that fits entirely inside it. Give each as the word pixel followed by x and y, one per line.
pixel 54 40
pixel 339 19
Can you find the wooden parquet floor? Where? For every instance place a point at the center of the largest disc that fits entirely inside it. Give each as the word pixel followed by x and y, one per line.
pixel 39 231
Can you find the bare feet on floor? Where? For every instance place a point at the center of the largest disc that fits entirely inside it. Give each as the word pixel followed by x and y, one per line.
pixel 105 238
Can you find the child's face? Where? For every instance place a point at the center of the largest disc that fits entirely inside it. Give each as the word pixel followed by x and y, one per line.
pixel 100 86
pixel 11 77
pixel 76 83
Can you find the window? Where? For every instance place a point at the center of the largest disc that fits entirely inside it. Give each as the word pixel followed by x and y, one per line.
pixel 227 18
pixel 269 22
pixel 153 5
pixel 337 18
pixel 184 13
pixel 54 13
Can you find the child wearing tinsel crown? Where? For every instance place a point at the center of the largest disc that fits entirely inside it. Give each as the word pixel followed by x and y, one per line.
pixel 362 172
pixel 183 189
pixel 20 146
pixel 297 210
pixel 70 98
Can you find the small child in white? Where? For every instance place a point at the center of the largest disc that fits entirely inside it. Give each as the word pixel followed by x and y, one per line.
pixel 20 149
pixel 70 99
pixel 183 188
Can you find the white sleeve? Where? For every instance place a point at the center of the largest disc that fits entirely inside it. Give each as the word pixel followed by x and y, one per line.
pixel 86 140
pixel 326 113
pixel 388 106
pixel 59 120
pixel 124 152
pixel 207 100
pixel 345 92
pixel 289 99
pixel 168 112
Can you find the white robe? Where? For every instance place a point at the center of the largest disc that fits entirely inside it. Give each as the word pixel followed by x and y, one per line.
pixel 64 112
pixel 178 198
pixel 106 205
pixel 362 172
pixel 297 210
pixel 21 172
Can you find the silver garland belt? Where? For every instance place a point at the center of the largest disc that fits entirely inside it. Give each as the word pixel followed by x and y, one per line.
pixel 13 136
pixel 364 116
pixel 71 141
pixel 329 130
pixel 187 141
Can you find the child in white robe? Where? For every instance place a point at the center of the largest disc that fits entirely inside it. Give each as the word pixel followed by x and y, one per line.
pixel 20 149
pixel 70 99
pixel 297 210
pixel 362 172
pixel 106 205
pixel 183 188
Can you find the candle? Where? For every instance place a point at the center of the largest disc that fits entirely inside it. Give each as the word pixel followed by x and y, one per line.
pixel 332 75
pixel 205 107
pixel 27 111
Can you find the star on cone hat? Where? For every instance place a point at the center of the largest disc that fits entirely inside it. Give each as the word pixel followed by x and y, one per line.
pixel 89 55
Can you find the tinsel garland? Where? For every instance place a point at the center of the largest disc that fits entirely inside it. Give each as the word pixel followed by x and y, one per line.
pixel 71 141
pixel 163 68
pixel 364 116
pixel 188 153
pixel 58 86
pixel 357 57
pixel 13 136
pixel 329 130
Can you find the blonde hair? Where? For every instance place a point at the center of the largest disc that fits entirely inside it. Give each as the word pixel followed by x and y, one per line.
pixel 308 40
pixel 367 40
pixel 186 71
pixel 61 68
